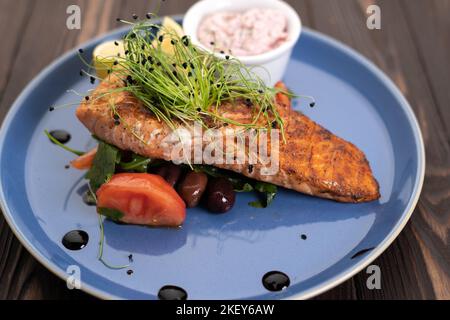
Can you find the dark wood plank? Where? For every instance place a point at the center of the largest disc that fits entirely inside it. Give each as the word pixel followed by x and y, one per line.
pixel 20 275
pixel 429 26
pixel 430 223
pixel 417 265
pixel 431 227
pixel 11 25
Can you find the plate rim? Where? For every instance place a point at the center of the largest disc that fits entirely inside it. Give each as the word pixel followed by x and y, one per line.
pixel 309 293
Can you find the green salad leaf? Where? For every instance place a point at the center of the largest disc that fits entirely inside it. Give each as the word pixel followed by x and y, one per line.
pixel 267 191
pixel 103 166
pixel 246 187
pixel 112 214
pixel 137 163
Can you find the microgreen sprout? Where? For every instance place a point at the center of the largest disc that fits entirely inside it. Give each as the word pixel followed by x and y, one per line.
pixel 190 84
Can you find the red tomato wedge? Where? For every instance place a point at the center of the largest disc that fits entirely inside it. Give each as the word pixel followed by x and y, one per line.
pixel 141 198
pixel 85 161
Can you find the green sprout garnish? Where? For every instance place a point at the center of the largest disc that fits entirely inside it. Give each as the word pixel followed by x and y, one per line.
pixel 102 237
pixel 190 84
pixel 59 144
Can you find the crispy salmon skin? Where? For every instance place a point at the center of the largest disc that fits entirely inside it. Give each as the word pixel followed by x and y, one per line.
pixel 312 160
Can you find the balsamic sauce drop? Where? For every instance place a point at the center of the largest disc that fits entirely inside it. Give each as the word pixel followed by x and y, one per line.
pixel 275 281
pixel 60 135
pixel 172 293
pixel 75 239
pixel 304 237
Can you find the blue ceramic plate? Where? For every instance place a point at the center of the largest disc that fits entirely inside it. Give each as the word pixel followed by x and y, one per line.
pixel 219 256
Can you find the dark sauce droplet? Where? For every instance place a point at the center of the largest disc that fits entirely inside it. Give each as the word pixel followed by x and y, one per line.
pixel 275 281
pixel 304 237
pixel 172 293
pixel 75 239
pixel 60 135
pixel 130 272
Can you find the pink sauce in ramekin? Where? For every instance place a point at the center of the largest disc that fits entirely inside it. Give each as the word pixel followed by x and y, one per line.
pixel 247 33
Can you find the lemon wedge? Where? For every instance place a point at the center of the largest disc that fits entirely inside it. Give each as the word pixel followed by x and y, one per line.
pixel 172 25
pixel 169 25
pixel 105 54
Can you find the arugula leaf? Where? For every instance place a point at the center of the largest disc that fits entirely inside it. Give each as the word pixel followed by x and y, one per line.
pixel 112 214
pixel 257 204
pixel 138 163
pixel 246 187
pixel 268 191
pixel 103 166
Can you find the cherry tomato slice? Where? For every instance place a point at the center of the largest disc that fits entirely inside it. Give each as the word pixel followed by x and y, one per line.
pixel 141 198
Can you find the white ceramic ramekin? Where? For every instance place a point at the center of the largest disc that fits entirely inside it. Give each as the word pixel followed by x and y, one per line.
pixel 274 62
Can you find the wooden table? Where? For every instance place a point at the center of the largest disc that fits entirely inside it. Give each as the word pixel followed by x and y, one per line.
pixel 413 48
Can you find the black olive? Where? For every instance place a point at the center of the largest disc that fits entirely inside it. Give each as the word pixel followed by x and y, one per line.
pixel 220 195
pixel 170 172
pixel 191 188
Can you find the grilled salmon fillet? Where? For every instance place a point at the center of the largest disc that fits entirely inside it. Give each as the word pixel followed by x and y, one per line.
pixel 312 160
